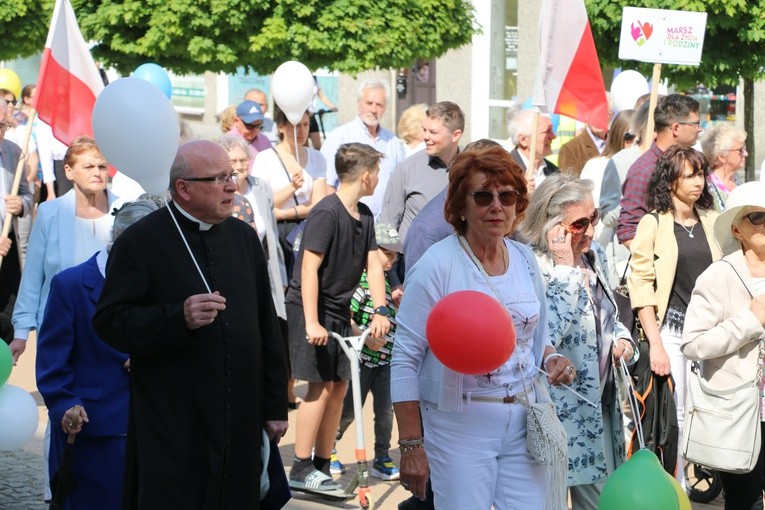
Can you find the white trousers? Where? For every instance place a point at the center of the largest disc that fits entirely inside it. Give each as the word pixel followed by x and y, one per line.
pixel 478 458
pixel 679 367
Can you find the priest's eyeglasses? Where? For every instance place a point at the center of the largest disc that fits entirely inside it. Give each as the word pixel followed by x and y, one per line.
pixel 220 180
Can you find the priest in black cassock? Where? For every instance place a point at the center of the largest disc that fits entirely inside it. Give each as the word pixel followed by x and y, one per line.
pixel 208 367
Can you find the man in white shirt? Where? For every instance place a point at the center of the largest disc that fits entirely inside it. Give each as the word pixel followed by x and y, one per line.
pixel 366 129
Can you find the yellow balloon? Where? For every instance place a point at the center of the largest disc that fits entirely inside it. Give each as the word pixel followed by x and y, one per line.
pixel 682 498
pixel 10 81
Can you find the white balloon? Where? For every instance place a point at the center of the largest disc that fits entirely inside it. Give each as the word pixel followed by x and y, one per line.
pixel 19 416
pixel 136 128
pixel 292 89
pixel 626 88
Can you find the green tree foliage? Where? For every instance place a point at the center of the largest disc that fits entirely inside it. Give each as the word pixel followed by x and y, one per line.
pixel 734 43
pixel 23 28
pixel 192 36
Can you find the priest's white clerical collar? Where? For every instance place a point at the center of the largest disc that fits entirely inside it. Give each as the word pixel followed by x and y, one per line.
pixel 202 225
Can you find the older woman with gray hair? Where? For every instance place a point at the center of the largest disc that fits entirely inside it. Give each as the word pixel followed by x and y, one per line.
pixel 725 148
pixel 582 319
pixel 84 382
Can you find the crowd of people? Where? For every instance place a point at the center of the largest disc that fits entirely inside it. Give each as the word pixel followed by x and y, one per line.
pixel 171 330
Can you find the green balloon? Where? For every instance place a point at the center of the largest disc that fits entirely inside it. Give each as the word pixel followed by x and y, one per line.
pixel 638 484
pixel 6 362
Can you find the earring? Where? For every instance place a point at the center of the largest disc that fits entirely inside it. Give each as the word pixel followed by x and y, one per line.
pixel 462 218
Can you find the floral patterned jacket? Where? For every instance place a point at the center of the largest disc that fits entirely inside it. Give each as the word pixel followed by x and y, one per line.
pixel 571 322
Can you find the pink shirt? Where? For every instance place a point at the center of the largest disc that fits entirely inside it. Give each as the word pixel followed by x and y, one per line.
pixel 259 143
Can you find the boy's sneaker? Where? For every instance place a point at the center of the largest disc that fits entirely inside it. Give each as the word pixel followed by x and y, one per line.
pixel 384 469
pixel 335 466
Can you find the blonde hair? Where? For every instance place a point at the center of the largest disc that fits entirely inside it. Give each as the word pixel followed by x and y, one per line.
pixel 410 124
pixel 227 118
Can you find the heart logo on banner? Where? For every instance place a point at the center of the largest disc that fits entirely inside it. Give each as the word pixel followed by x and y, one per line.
pixel 636 32
pixel 647 30
pixel 642 32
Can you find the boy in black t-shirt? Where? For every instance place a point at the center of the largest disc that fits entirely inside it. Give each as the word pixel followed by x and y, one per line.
pixel 337 246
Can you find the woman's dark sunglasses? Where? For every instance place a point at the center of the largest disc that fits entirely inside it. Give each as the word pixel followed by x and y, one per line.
pixel 629 137
pixel 485 198
pixel 582 224
pixel 756 218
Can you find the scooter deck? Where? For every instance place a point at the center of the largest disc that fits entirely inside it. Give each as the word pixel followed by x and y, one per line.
pixel 334 495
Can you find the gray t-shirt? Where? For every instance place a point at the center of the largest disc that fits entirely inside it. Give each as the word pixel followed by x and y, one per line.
pixel 414 183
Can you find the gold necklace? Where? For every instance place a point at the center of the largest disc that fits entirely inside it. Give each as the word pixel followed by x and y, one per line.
pixel 504 263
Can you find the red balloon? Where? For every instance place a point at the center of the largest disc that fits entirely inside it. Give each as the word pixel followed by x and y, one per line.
pixel 470 332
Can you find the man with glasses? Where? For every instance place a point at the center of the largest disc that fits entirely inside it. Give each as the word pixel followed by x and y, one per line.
pixel 676 122
pixel 208 366
pixel 269 126
pixel 248 124
pixel 18 205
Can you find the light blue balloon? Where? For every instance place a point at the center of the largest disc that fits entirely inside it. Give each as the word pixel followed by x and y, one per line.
pixel 155 75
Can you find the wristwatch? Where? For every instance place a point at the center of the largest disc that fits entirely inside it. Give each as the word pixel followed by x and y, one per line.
pixel 381 310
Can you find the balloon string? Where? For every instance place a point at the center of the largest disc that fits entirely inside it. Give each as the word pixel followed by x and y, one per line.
pixel 572 390
pixel 633 402
pixel 297 149
pixel 188 248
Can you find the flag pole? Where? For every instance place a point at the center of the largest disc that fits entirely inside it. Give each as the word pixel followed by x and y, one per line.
pixel 17 176
pixel 531 170
pixel 655 79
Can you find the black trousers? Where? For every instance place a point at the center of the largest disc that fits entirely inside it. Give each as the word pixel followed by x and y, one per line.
pixel 744 491
pixel 10 277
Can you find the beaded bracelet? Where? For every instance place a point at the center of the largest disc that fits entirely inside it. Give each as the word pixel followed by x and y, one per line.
pixel 407 445
pixel 406 449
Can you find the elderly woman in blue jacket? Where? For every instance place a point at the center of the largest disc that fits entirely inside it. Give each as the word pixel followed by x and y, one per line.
pixel 582 318
pixel 85 383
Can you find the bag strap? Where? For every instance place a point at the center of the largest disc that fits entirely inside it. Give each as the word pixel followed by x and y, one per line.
pixel 739 277
pixel 623 279
pixel 289 177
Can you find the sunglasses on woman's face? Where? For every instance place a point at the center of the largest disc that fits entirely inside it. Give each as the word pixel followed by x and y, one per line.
pixel 756 218
pixel 485 198
pixel 582 224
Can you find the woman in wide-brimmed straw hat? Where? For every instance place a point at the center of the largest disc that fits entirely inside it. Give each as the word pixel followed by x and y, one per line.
pixel 725 317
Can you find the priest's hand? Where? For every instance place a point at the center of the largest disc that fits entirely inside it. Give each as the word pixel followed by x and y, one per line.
pixel 276 429
pixel 202 309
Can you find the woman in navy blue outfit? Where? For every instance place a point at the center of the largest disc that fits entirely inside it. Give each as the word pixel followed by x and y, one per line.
pixel 84 381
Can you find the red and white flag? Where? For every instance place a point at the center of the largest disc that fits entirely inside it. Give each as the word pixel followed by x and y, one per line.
pixel 69 81
pixel 569 80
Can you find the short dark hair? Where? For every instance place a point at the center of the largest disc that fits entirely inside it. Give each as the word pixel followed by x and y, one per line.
pixel 500 169
pixel 353 158
pixel 673 108
pixel 481 145
pixel 669 169
pixel 449 113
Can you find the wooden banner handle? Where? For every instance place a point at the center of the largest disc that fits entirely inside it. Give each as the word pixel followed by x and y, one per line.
pixel 18 174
